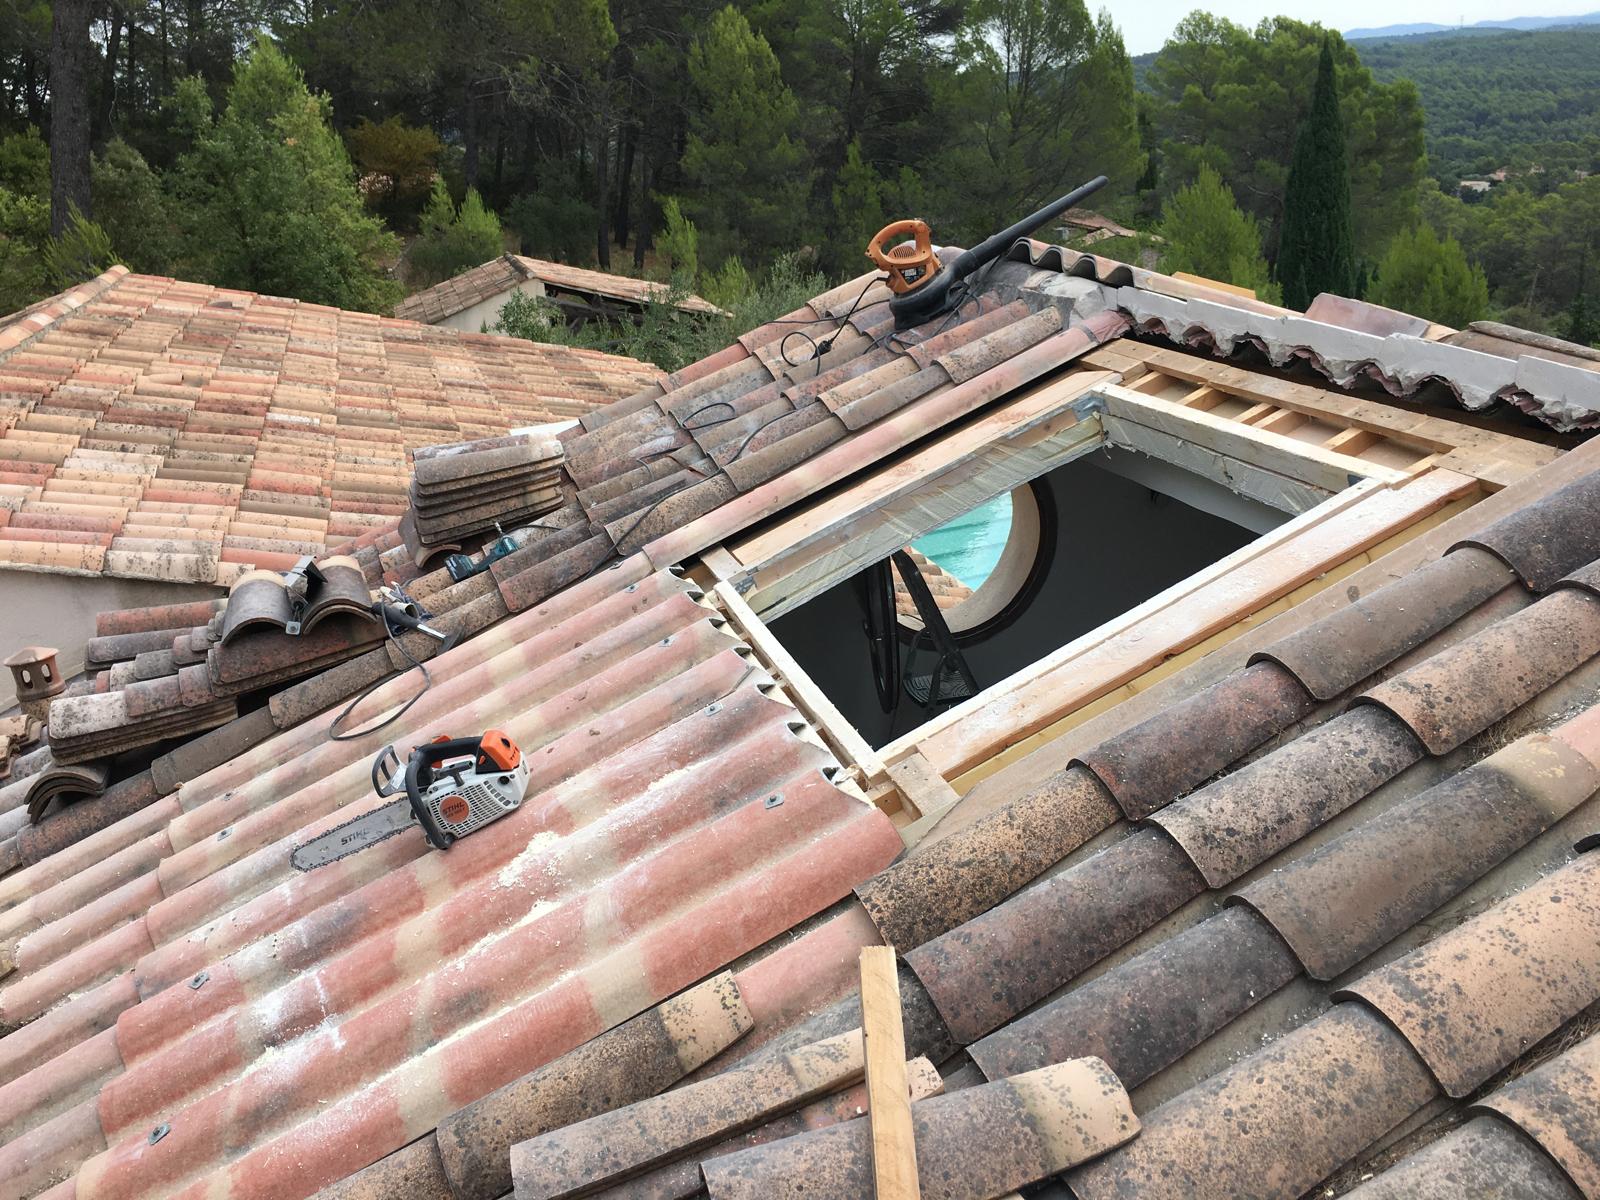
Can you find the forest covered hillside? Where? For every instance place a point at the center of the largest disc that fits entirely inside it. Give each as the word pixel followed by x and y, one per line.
pixel 1498 100
pixel 346 153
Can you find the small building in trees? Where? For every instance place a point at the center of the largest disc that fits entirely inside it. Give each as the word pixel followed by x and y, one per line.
pixel 472 300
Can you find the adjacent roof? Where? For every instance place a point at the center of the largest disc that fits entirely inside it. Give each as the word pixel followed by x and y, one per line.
pixel 1385 757
pixel 500 275
pixel 164 430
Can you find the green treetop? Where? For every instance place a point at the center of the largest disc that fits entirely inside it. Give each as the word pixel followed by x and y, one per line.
pixel 746 170
pixel 1431 278
pixel 1207 235
pixel 454 240
pixel 268 195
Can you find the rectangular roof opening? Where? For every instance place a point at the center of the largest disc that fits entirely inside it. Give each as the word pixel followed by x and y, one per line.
pixel 1014 579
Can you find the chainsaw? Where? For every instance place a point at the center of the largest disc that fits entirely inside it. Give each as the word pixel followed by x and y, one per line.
pixel 453 787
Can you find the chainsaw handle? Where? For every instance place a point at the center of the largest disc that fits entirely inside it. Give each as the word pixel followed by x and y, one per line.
pixel 387 781
pixel 419 776
pixel 908 267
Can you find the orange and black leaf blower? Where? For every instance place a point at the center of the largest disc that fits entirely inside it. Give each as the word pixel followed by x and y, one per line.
pixel 924 287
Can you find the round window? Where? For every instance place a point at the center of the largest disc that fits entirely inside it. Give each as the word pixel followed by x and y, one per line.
pixel 978 563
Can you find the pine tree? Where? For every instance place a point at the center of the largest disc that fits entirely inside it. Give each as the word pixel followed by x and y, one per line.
pixel 1317 252
pixel 1207 235
pixel 268 198
pixel 1431 278
pixel 452 240
pixel 858 213
pixel 746 168
pixel 1583 321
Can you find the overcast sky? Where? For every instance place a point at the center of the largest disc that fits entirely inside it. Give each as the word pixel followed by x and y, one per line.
pixel 1145 26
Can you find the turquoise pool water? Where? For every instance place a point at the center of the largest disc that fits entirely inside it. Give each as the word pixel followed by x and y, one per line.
pixel 970 546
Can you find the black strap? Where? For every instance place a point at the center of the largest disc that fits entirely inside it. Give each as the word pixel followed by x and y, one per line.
pixel 875 591
pixel 934 627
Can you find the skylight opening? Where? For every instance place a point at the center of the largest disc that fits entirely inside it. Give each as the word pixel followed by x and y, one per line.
pixel 1052 560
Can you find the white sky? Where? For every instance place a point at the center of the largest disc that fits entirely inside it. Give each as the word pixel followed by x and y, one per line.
pixel 1146 25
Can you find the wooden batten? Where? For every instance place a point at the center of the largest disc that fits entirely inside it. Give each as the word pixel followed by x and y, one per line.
pixel 894 1144
pixel 842 738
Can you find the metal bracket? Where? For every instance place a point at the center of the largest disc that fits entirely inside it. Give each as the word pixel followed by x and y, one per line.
pixel 299 583
pixel 1090 404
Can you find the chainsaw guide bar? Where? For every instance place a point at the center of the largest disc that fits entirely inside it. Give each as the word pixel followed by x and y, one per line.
pixel 453 787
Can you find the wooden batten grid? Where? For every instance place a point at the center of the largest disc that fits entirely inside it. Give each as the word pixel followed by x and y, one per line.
pixel 1384 434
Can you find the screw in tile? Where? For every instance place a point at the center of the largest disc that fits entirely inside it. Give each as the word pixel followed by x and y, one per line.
pixel 199 981
pixel 159 1132
pixel 774 800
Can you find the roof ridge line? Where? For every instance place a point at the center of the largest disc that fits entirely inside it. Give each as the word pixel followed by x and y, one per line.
pixel 45 314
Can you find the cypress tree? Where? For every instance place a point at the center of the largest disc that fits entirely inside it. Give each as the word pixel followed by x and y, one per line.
pixel 1317 250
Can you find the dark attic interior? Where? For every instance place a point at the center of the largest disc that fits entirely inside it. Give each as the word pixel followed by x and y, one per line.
pixel 1086 543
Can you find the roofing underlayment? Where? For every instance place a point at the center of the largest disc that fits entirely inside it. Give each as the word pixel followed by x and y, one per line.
pixel 1310 884
pixel 153 429
pixel 511 271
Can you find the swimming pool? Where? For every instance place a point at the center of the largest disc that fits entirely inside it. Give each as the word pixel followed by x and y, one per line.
pixel 969 546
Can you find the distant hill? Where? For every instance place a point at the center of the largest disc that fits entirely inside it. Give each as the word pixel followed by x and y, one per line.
pixel 1495 97
pixel 1501 98
pixel 1393 31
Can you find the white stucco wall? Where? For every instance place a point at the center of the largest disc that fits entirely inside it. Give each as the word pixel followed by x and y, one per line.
pixel 485 313
pixel 59 610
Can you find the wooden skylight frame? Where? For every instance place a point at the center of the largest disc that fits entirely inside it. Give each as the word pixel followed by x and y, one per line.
pixel 1356 477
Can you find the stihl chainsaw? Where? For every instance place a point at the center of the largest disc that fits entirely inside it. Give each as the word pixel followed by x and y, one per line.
pixel 453 787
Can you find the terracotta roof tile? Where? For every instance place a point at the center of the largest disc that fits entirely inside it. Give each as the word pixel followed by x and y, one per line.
pixel 87 392
pixel 1486 1158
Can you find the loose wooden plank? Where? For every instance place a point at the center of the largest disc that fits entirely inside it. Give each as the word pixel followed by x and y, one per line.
pixel 1216 285
pixel 1011 711
pixel 1248 443
pixel 894 1145
pixel 841 736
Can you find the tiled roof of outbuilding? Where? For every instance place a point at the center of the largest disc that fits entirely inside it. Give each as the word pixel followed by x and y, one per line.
pixel 500 275
pixel 163 430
